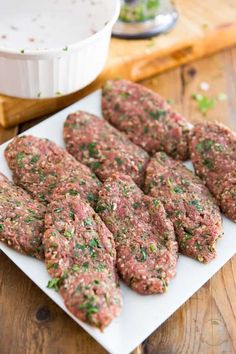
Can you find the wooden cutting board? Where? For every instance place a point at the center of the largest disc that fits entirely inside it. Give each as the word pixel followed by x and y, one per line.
pixel 203 28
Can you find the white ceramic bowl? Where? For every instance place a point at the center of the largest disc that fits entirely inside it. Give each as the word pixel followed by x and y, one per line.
pixel 53 47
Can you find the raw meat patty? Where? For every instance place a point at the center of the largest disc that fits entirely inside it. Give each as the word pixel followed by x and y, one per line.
pixel 39 165
pixel 189 205
pixel 97 144
pixel 144 237
pixel 146 118
pixel 213 153
pixel 21 219
pixel 80 256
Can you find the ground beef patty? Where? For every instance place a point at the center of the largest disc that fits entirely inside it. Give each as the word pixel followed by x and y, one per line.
pixel 213 153
pixel 39 165
pixel 146 118
pixel 144 237
pixel 104 149
pixel 21 219
pixel 80 256
pixel 189 205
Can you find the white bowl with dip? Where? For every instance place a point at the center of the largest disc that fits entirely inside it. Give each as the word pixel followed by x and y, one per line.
pixel 50 48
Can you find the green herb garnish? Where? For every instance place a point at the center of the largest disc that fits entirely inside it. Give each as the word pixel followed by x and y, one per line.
pixel 136 205
pixel 92 149
pixel 88 222
pixel 158 114
pixel 178 190
pixel 143 251
pixel 205 145
pixel 118 161
pixel 95 165
pixel 68 234
pixel 156 202
pixel 196 204
pixel 95 243
pixel 204 103
pixel 19 158
pixel 208 163
pixel 54 284
pixel 34 159
pixel 91 197
pixel 73 192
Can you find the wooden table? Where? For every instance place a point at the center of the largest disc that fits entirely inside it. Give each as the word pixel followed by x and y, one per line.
pixel 206 324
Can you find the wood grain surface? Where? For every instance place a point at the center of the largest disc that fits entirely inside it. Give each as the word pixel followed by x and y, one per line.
pixel 203 27
pixel 30 323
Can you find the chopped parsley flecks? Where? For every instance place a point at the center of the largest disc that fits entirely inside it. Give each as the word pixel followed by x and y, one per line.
pixel 85 266
pixel 136 205
pixel 93 152
pixel 19 158
pixel 72 214
pixel 73 192
pixel 100 267
pixel 58 210
pixel 75 268
pixel 119 161
pixel 95 165
pixel 88 222
pixel 204 103
pixel 42 197
pixel 34 159
pixel 178 190
pixel 205 145
pixel 143 251
pixel 95 243
pixel 80 247
pixel 160 113
pixel 53 266
pixel 156 202
pixel 152 247
pixel 90 308
pixel 68 234
pixel 196 204
pixel 91 198
pixel 124 95
pixel 208 163
pixel 54 284
pixel 125 191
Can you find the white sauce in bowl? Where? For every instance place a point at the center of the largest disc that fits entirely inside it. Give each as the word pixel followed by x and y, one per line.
pixel 30 25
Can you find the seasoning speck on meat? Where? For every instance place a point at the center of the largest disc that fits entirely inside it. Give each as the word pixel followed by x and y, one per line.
pixel 80 256
pixel 213 153
pixel 104 149
pixel 146 118
pixel 21 219
pixel 189 205
pixel 144 237
pixel 39 166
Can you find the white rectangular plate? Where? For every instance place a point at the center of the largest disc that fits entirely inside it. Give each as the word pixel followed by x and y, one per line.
pixel 141 315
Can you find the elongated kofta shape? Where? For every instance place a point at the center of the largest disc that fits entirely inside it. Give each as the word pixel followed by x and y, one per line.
pixel 80 256
pixel 189 205
pixel 21 219
pixel 213 153
pixel 95 143
pixel 144 237
pixel 146 118
pixel 39 166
